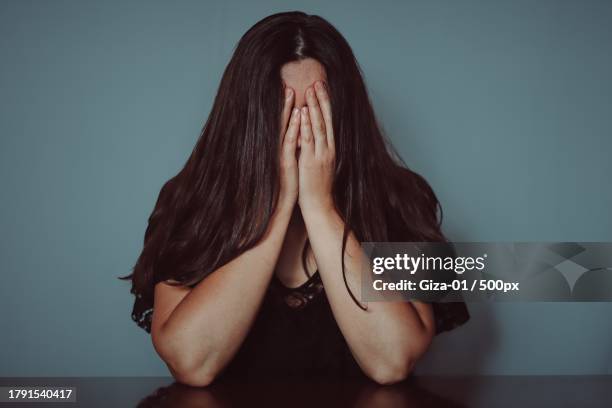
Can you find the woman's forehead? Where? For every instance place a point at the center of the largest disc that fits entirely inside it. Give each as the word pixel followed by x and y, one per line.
pixel 301 74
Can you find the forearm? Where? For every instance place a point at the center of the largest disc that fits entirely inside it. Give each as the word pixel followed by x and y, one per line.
pixel 207 327
pixel 388 337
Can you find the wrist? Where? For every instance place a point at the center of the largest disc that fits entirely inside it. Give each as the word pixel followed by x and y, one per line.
pixel 284 207
pixel 278 223
pixel 318 209
pixel 322 222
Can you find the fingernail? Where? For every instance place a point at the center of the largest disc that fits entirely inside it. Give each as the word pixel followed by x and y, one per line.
pixel 288 93
pixel 319 85
pixel 310 91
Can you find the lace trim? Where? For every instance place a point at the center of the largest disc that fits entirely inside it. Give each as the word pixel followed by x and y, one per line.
pixel 298 297
pixel 448 316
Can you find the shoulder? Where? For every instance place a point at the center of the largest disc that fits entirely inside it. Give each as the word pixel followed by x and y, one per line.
pixel 169 287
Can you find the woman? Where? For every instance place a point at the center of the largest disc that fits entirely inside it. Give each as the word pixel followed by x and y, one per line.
pixel 250 259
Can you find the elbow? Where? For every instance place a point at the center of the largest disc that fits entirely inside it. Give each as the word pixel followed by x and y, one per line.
pixel 399 365
pixel 193 376
pixel 184 367
pixel 387 373
pixel 191 372
pixel 395 367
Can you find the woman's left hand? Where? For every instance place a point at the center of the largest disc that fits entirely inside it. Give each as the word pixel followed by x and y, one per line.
pixel 316 164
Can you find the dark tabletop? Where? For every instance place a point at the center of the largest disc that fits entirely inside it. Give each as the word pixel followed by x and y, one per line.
pixel 421 391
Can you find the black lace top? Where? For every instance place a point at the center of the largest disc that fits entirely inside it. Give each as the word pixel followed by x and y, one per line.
pixel 295 335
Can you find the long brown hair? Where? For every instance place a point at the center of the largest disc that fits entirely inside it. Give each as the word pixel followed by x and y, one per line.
pixel 220 203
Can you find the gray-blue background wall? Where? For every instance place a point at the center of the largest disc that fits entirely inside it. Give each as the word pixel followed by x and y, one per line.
pixel 504 106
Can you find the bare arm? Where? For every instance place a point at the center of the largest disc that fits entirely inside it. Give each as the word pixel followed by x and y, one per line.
pixel 389 337
pixel 198 331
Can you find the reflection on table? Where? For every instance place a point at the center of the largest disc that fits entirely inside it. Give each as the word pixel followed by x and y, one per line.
pixel 416 392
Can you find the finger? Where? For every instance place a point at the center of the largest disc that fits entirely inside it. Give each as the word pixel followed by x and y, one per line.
pixel 290 140
pixel 316 120
pixel 306 136
pixel 325 104
pixel 288 104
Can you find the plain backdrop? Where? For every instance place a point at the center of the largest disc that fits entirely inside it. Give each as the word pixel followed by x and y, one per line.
pixel 504 106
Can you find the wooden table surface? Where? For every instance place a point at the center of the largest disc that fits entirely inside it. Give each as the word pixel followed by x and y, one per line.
pixel 421 391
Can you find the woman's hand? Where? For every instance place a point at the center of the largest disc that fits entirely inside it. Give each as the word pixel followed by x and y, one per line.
pixel 290 125
pixel 317 156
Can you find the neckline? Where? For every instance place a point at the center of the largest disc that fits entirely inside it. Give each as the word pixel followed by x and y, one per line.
pixel 303 285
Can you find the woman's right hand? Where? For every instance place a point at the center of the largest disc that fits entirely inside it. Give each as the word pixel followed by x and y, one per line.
pixel 290 125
